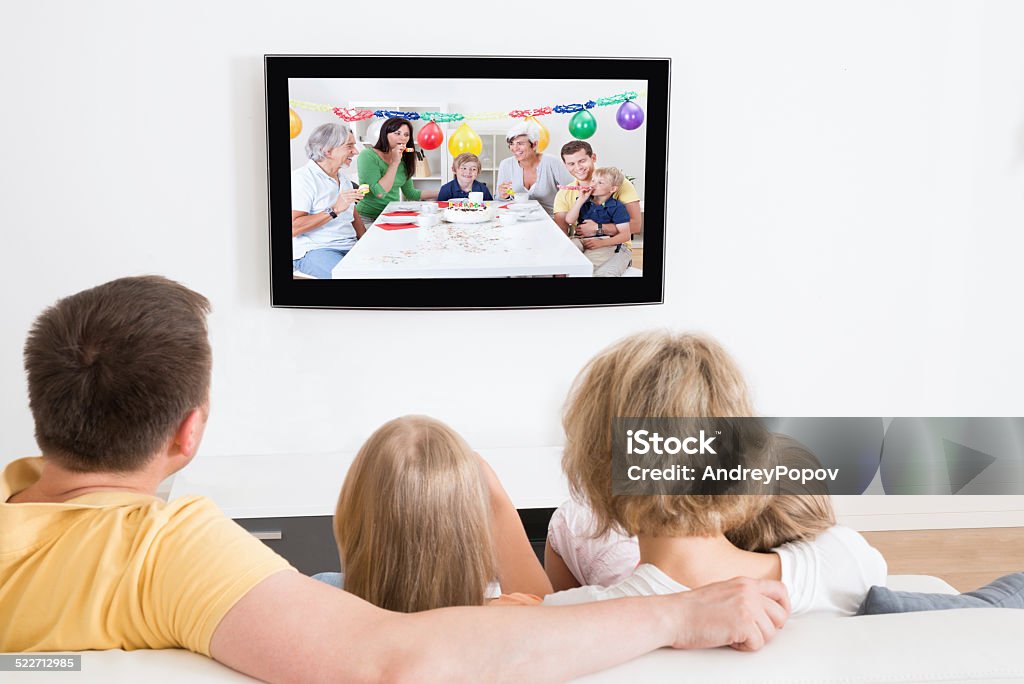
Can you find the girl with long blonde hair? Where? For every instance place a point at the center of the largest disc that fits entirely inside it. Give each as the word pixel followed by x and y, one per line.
pixel 422 522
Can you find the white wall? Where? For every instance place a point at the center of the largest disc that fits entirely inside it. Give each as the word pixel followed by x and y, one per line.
pixel 845 208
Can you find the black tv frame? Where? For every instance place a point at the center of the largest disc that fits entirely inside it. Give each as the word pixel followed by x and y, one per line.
pixel 464 293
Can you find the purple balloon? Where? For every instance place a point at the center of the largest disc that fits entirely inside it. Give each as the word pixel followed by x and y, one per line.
pixel 630 115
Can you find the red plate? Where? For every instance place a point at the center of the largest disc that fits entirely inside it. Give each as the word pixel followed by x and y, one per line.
pixel 395 226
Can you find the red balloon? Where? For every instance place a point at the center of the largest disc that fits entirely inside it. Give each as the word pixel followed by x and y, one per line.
pixel 430 136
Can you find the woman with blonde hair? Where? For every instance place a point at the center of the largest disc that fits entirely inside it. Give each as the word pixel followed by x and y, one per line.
pixel 422 522
pixel 682 538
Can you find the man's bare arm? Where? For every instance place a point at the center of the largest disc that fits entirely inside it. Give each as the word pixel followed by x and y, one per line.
pixel 293 628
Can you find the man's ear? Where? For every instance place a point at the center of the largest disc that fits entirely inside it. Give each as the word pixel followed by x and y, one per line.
pixel 189 434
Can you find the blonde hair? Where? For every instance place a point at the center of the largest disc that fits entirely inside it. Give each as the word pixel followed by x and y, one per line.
pixel 413 519
pixel 611 174
pixel 466 157
pixel 651 374
pixel 795 514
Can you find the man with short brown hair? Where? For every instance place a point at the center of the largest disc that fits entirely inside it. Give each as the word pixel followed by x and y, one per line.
pixel 90 558
pixel 112 371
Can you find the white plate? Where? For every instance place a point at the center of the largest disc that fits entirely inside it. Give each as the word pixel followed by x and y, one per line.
pixel 521 208
pixel 397 219
pixel 404 206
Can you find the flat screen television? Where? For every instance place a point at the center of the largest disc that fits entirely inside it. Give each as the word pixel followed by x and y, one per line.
pixel 466 182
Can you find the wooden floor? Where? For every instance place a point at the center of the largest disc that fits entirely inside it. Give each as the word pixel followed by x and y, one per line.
pixel 966 558
pixel 638 258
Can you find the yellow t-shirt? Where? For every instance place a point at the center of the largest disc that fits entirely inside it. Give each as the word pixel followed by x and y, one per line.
pixel 566 198
pixel 119 570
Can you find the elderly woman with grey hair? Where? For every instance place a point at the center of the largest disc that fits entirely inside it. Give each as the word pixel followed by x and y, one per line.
pixel 527 170
pixel 324 223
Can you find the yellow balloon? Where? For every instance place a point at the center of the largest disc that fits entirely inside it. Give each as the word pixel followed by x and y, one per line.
pixel 545 134
pixel 465 139
pixel 294 123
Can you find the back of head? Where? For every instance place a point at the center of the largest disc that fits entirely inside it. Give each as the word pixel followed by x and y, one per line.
pixel 651 374
pixel 796 513
pixel 113 370
pixel 413 519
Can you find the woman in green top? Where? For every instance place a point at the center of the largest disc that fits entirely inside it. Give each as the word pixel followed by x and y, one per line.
pixel 388 168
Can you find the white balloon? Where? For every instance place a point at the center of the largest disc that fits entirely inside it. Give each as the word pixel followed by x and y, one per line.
pixel 373 132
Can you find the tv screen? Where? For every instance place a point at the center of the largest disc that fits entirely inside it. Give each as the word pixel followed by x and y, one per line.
pixel 466 182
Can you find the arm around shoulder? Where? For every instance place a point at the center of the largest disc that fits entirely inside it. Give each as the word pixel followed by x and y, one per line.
pixel 331 635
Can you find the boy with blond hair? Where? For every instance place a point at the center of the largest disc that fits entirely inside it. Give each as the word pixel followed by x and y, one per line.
pixel 466 168
pixel 608 251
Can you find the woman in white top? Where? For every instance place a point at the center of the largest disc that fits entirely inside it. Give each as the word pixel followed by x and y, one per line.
pixel 827 573
pixel 527 170
pixel 687 541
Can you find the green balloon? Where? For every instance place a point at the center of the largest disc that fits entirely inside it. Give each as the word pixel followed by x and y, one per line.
pixel 582 125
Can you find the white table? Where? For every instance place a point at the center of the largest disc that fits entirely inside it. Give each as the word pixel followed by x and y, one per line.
pixel 532 247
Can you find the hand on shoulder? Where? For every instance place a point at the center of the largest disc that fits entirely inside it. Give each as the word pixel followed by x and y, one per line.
pixel 742 613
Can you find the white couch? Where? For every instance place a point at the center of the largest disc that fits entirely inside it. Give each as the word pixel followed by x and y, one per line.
pixel 944 646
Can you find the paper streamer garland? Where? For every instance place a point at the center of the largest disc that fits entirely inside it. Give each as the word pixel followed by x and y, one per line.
pixel 485 116
pixel 350 115
pixel 527 113
pixel 311 106
pixel 573 108
pixel 441 117
pixel 583 125
pixel 616 99
pixel 392 113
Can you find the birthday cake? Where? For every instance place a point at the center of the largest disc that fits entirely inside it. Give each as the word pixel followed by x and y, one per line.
pixel 465 211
